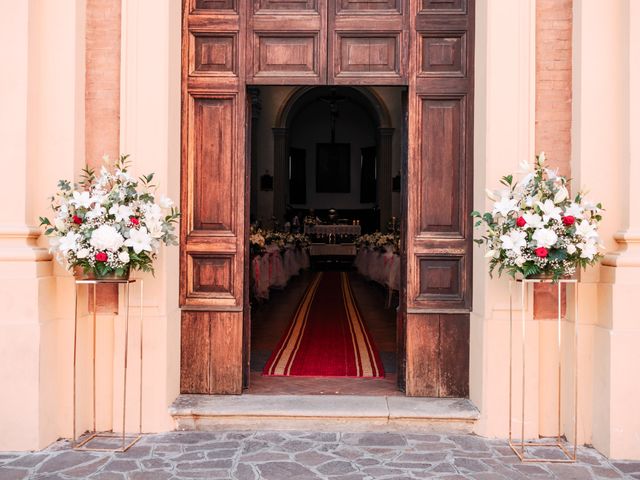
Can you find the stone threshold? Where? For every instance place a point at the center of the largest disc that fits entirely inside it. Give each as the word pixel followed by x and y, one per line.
pixel 323 412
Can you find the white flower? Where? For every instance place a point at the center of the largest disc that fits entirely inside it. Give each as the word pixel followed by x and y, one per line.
pixel 489 254
pixel 585 230
pixel 155 228
pixel 60 224
pixel 505 205
pixel 588 249
pixel 124 257
pixel 529 201
pixel 545 237
pixel 575 210
pixel 81 200
pixel 533 220
pixel 549 211
pixel 561 195
pixel 82 253
pixel 69 242
pixel 166 202
pixel 96 212
pixel 571 249
pixel 515 240
pixel 520 260
pixel 139 240
pixel 106 237
pixel 551 174
pixel 542 157
pixel 121 212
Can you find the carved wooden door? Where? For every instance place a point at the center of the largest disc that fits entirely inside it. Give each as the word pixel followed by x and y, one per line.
pixel 439 171
pixel 212 253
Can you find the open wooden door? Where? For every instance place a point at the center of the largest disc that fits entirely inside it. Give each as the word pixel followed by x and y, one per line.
pixel 212 234
pixel 439 171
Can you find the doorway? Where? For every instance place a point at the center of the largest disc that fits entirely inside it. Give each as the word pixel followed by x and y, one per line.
pixel 427 45
pixel 298 135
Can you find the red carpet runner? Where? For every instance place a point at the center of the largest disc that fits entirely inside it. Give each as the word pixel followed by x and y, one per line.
pixel 327 337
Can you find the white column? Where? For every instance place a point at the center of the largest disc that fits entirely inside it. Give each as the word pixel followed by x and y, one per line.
pixel 38 50
pixel 606 157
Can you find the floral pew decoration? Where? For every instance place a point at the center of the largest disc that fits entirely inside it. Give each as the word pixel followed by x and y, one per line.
pixel 108 225
pixel 536 229
pixel 378 258
pixel 275 258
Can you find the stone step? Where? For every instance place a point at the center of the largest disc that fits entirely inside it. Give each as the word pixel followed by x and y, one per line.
pixel 323 413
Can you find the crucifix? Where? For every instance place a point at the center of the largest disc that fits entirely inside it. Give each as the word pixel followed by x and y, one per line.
pixel 333 100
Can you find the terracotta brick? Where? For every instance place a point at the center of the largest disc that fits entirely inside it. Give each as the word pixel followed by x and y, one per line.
pixel 553 107
pixel 102 100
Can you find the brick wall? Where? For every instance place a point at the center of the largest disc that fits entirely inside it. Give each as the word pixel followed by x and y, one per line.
pixel 102 88
pixel 553 106
pixel 102 100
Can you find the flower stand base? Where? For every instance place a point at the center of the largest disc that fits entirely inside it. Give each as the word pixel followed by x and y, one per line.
pixel 96 440
pixel 555 449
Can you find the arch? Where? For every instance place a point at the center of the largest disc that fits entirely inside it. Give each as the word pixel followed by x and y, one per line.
pixel 368 99
pixel 364 96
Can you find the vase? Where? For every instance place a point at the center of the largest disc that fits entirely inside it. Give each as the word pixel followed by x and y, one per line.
pixel 547 276
pixel 80 274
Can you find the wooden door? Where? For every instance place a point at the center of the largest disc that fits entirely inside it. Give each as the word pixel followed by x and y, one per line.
pixel 212 234
pixel 439 233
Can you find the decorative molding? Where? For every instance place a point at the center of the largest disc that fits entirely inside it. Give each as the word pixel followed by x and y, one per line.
pixel 629 253
pixel 18 244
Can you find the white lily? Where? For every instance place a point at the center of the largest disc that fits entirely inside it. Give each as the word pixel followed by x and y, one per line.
pixel 515 240
pixel 545 237
pixel 82 199
pixel 571 249
pixel 489 254
pixel 68 242
pixel 533 220
pixel 586 230
pixel 166 202
pixel 561 195
pixel 505 205
pixel 575 210
pixel 587 249
pixel 139 240
pixel 549 210
pixel 121 212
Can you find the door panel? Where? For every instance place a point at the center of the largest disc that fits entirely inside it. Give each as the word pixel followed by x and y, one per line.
pixel 287 42
pixel 367 42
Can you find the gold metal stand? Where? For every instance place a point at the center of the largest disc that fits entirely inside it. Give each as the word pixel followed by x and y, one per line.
pixel 84 444
pixel 519 446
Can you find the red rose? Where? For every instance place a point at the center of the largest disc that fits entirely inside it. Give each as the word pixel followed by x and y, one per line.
pixel 134 220
pixel 541 252
pixel 569 220
pixel 521 222
pixel 101 257
pixel 77 220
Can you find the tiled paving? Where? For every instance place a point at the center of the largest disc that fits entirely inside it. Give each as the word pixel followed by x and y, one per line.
pixel 302 456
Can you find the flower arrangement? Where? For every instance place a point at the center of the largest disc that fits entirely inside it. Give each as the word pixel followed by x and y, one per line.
pixel 380 241
pixel 535 228
pixel 109 224
pixel 260 239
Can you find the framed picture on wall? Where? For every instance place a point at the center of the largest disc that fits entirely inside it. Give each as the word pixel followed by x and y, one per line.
pixel 333 168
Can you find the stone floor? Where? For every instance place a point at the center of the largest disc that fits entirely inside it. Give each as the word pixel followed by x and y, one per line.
pixel 304 455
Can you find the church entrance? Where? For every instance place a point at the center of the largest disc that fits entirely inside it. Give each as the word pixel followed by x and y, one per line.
pixel 232 53
pixel 324 239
